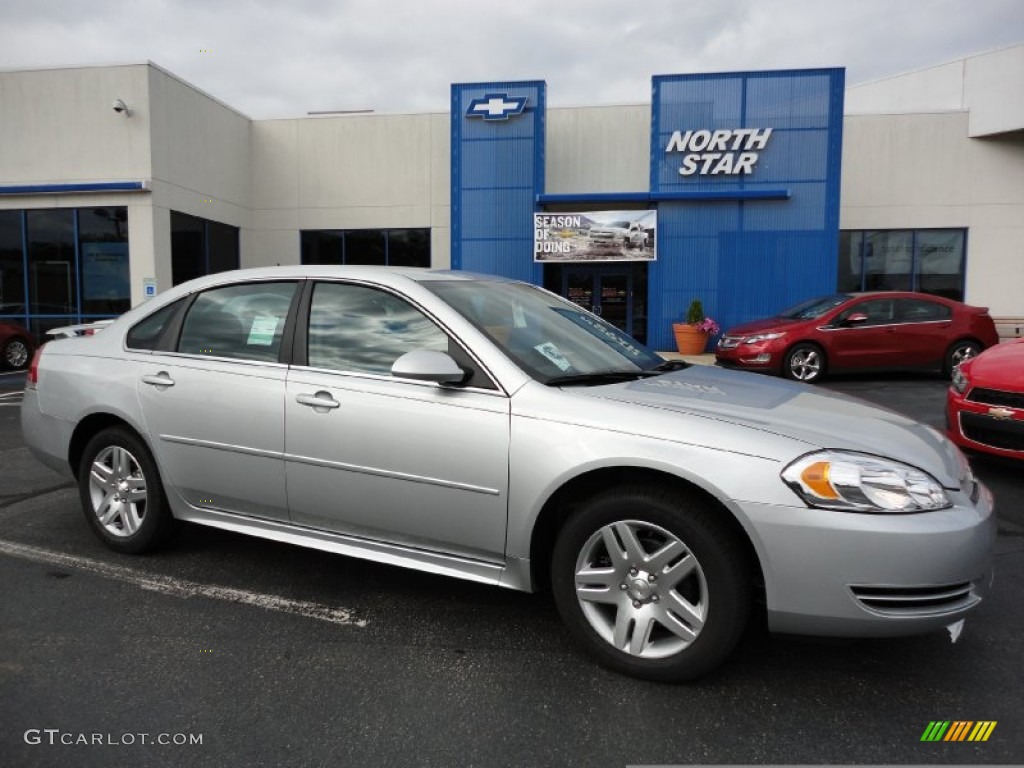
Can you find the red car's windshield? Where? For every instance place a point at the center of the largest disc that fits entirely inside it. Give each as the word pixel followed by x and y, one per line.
pixel 808 310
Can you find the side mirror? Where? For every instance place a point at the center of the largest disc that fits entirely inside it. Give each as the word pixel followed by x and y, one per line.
pixel 428 365
pixel 856 319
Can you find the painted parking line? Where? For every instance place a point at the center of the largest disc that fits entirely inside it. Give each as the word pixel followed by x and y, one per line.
pixel 12 373
pixel 182 588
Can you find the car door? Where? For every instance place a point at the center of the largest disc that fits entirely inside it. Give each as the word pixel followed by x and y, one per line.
pixel 865 344
pixel 384 458
pixel 924 331
pixel 213 402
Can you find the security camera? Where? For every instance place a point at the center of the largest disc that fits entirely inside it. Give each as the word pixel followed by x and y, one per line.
pixel 120 106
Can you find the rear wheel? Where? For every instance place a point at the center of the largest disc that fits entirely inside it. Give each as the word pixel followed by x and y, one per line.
pixel 15 354
pixel 652 584
pixel 804 362
pixel 121 492
pixel 960 351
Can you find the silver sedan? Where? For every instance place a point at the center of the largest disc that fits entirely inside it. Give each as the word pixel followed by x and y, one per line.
pixel 489 430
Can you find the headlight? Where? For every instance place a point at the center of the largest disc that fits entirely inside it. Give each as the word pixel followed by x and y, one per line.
pixel 857 482
pixel 960 381
pixel 763 337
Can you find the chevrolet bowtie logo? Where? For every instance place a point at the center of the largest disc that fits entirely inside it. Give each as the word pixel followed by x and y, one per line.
pixel 1000 413
pixel 496 106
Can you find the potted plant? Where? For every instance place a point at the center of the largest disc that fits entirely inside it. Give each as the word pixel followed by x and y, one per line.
pixel 692 335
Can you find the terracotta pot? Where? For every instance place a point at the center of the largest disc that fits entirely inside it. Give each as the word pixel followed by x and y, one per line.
pixel 689 339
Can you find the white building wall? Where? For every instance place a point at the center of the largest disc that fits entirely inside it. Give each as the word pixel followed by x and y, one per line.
pixel 200 152
pixel 910 171
pixel 598 149
pixel 346 172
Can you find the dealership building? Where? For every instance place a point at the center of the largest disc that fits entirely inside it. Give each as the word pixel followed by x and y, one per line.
pixel 750 191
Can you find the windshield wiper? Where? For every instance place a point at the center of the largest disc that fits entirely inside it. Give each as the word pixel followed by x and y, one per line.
pixel 600 377
pixel 670 365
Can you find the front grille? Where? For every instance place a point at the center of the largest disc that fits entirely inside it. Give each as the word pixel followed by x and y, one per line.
pixel 996 433
pixel 996 397
pixel 916 601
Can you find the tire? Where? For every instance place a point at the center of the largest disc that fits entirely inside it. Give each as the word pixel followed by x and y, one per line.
pixel 687 594
pixel 958 352
pixel 16 354
pixel 122 496
pixel 804 362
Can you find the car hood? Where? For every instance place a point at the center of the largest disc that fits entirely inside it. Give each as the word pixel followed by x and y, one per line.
pixel 999 367
pixel 762 326
pixel 817 417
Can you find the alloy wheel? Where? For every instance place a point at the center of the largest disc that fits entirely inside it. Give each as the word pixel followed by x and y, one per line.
pixel 117 490
pixel 641 589
pixel 805 364
pixel 16 354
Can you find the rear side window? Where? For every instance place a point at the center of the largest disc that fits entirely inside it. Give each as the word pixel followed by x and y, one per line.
pixel 923 311
pixel 147 333
pixel 244 322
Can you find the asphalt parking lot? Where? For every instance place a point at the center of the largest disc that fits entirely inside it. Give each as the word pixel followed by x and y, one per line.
pixel 275 655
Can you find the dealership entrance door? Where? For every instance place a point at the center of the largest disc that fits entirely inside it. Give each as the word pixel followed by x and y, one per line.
pixel 615 292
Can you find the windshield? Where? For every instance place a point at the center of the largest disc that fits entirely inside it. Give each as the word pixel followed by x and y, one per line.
pixel 547 336
pixel 808 310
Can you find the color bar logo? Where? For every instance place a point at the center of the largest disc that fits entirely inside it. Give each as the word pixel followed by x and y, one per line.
pixel 958 730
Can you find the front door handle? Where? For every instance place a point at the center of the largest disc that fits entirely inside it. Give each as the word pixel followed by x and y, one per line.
pixel 161 379
pixel 319 400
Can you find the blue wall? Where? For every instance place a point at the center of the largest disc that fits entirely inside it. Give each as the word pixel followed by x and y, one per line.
pixel 497 172
pixel 746 257
pixel 746 244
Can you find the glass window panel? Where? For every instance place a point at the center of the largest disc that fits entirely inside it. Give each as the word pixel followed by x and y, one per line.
pixel 12 265
pixel 364 246
pixel 409 248
pixel 188 247
pixel 245 322
pixel 103 250
pixel 888 257
pixel 940 262
pixel 146 333
pixel 223 247
pixel 322 246
pixel 851 266
pixel 53 279
pixel 922 311
pixel 354 328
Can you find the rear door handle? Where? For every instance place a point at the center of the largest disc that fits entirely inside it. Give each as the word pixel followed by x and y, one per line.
pixel 161 379
pixel 319 400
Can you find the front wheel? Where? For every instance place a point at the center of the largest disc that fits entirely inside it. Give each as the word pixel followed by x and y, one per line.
pixel 804 362
pixel 652 584
pixel 121 492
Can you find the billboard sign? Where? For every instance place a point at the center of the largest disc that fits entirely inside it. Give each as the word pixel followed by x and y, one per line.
pixel 594 236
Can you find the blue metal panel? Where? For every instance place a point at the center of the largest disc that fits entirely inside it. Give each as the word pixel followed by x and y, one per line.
pixel 496 173
pixel 745 255
pixel 49 189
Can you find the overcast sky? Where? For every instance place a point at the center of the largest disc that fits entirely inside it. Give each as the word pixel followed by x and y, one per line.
pixel 284 58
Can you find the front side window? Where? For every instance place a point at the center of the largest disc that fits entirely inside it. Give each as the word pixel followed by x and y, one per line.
pixel 365 330
pixel 245 322
pixel 878 312
pixel 550 338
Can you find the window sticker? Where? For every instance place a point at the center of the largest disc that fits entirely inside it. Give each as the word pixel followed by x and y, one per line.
pixel 550 351
pixel 518 317
pixel 262 331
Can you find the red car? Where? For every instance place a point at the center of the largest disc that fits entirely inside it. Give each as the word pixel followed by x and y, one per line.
pixel 16 345
pixel 985 403
pixel 860 332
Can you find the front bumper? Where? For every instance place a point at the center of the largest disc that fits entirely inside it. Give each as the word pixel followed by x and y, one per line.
pixel 883 575
pixel 761 356
pixel 979 426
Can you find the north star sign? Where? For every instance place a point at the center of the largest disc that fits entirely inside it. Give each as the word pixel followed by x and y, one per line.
pixel 496 106
pixel 712 153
